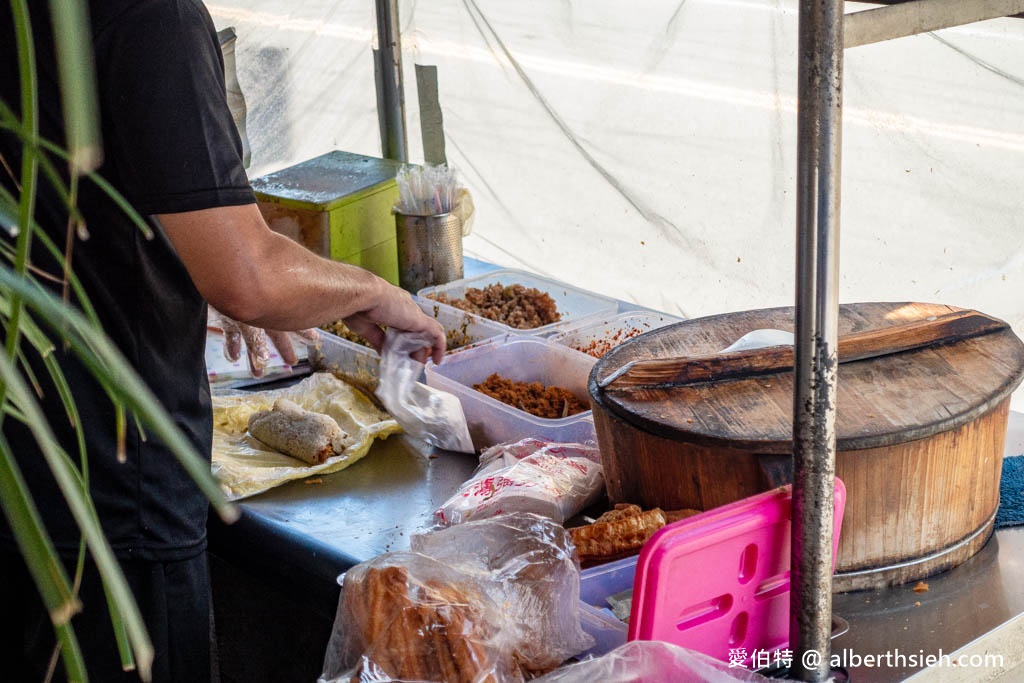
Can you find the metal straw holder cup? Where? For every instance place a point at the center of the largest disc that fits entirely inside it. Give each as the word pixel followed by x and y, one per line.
pixel 429 250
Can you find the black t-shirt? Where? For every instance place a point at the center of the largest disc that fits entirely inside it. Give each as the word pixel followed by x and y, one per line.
pixel 170 146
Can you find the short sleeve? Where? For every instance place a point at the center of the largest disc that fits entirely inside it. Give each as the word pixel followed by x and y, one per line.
pixel 167 127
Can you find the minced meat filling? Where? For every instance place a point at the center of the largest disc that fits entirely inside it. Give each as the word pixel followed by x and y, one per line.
pixel 517 306
pixel 532 397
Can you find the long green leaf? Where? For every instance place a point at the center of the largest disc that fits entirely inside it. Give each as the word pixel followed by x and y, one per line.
pixel 69 482
pixel 73 42
pixel 29 162
pixel 8 216
pixel 38 552
pixel 32 538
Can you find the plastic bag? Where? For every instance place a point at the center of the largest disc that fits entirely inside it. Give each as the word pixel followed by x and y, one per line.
pixel 491 601
pixel 651 661
pixel 533 475
pixel 405 616
pixel 528 564
pixel 424 412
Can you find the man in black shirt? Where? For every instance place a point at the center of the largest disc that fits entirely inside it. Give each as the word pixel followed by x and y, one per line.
pixel 171 148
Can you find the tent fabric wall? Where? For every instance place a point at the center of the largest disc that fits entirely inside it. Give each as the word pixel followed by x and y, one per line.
pixel 648 151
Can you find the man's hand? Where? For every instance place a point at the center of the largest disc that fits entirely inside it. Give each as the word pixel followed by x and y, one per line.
pixel 250 273
pixel 393 307
pixel 255 340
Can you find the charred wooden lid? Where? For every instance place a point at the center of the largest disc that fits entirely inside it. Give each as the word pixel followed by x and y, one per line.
pixel 881 401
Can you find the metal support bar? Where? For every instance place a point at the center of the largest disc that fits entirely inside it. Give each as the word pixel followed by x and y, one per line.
pixel 920 16
pixel 390 88
pixel 819 153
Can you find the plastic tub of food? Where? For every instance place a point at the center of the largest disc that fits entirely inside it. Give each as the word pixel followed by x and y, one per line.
pixel 573 304
pixel 599 336
pixel 596 617
pixel 741 602
pixel 356 364
pixel 461 329
pixel 523 359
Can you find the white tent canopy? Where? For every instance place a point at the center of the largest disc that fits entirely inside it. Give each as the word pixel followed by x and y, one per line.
pixel 648 151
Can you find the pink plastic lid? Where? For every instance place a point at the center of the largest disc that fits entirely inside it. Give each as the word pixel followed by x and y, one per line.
pixel 718 582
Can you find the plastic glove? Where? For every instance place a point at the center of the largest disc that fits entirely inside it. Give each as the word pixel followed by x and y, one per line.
pixel 257 342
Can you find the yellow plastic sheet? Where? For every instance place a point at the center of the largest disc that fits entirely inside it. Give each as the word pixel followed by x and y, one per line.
pixel 246 466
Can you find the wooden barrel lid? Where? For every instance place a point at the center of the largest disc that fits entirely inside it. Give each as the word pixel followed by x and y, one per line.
pixel 881 401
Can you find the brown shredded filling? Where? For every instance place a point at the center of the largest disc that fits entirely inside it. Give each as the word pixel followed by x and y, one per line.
pixel 532 397
pixel 517 306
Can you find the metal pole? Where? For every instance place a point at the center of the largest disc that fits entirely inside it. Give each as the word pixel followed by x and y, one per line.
pixel 391 90
pixel 819 140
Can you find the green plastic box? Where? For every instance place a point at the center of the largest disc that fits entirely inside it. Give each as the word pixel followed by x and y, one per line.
pixel 339 206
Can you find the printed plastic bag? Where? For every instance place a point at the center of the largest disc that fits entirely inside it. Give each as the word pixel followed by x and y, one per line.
pixel 424 412
pixel 533 475
pixel 651 661
pixel 493 601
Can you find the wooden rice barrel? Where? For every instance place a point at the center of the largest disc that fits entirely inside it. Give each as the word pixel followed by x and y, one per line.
pixel 920 436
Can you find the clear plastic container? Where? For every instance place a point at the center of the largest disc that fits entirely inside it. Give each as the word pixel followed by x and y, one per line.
pixel 573 303
pixel 599 336
pixel 356 364
pixel 596 617
pixel 461 329
pixel 359 365
pixel 524 359
pixel 742 548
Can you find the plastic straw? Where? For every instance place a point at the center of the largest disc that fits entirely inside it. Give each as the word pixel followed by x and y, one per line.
pixel 427 190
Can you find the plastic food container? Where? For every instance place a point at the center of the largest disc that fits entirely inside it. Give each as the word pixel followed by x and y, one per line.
pixel 356 364
pixel 741 554
pixel 573 303
pixel 359 365
pixel 524 359
pixel 599 336
pixel 461 329
pixel 596 618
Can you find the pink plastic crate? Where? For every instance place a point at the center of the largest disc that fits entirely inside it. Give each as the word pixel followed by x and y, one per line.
pixel 718 582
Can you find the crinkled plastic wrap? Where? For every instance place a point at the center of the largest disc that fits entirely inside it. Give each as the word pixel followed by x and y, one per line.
pixel 489 601
pixel 245 466
pixel 651 661
pixel 556 480
pixel 424 412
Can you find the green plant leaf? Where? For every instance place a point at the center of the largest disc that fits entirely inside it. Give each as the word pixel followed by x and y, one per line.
pixel 70 484
pixel 73 42
pixel 38 551
pixel 8 216
pixel 35 544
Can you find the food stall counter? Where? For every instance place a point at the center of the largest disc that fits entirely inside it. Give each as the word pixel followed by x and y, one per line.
pixel 275 571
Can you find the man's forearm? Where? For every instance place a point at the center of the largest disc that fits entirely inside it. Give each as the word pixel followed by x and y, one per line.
pixel 255 275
